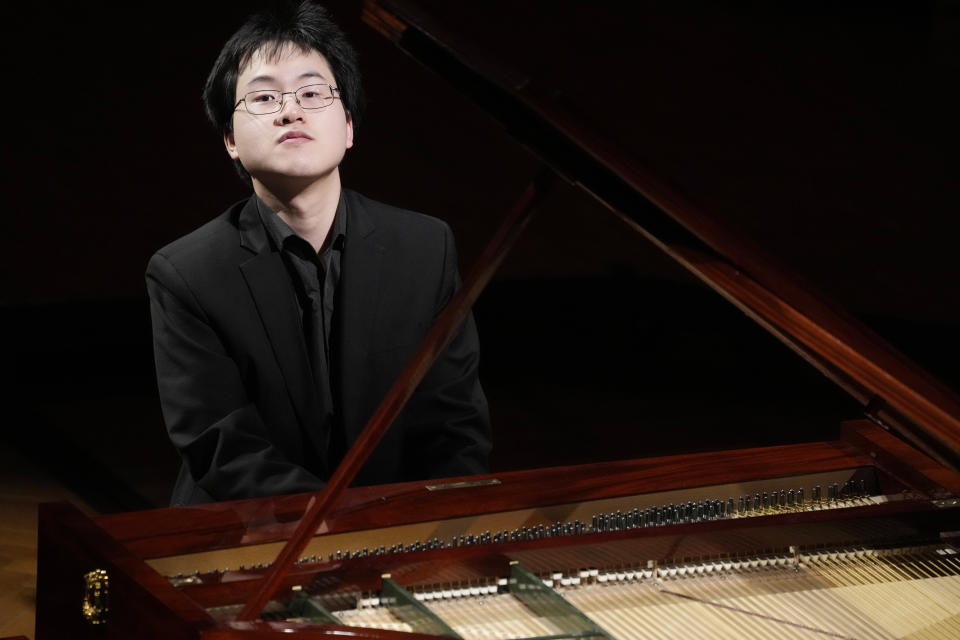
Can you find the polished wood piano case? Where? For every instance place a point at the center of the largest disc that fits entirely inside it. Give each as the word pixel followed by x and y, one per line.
pixel 176 573
pixel 848 538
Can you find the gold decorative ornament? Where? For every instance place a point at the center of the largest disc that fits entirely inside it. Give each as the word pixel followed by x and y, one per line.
pixel 96 596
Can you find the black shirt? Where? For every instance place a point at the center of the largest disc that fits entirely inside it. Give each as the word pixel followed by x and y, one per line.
pixel 316 279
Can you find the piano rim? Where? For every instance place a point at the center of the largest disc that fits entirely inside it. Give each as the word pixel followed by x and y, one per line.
pixel 199 528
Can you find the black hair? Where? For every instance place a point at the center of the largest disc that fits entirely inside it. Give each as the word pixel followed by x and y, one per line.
pixel 307 26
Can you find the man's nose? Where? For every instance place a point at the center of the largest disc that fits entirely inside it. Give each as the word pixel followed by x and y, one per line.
pixel 290 108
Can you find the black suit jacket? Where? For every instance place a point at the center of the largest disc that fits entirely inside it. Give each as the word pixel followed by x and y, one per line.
pixel 235 382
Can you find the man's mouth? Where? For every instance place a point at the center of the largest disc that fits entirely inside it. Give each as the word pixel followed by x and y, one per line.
pixel 294 136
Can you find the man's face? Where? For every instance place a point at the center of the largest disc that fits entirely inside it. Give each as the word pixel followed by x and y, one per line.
pixel 264 144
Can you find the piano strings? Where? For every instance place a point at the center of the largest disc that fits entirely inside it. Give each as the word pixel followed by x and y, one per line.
pixel 846 593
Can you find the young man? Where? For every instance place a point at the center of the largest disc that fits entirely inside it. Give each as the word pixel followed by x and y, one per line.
pixel 281 324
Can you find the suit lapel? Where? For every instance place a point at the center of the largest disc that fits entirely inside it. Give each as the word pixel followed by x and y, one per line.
pixel 275 300
pixel 357 309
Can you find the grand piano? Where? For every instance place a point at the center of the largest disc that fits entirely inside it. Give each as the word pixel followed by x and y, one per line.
pixel 850 537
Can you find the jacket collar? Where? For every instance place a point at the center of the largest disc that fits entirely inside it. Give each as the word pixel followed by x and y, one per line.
pixel 275 299
pixel 273 294
pixel 253 236
pixel 357 309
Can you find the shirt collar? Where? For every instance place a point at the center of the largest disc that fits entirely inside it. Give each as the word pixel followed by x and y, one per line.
pixel 279 231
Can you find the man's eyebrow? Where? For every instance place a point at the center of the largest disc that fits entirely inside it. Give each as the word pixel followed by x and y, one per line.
pixel 302 76
pixel 311 74
pixel 261 79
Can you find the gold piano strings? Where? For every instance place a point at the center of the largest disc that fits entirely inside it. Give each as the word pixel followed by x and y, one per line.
pixel 633 611
pixel 773 619
pixel 932 583
pixel 889 592
pixel 851 583
pixel 493 616
pixel 757 592
pixel 858 593
pixel 625 614
pixel 764 588
pixel 372 617
pixel 866 594
pixel 499 616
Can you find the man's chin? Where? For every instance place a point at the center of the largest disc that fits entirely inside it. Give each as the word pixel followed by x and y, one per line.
pixel 299 177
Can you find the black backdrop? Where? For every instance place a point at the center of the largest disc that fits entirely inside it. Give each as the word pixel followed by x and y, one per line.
pixel 826 134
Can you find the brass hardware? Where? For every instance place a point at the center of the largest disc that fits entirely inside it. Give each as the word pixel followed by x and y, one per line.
pixel 96 596
pixel 179 581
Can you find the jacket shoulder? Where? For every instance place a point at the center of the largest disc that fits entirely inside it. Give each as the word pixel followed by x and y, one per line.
pixel 394 219
pixel 212 238
pixel 204 265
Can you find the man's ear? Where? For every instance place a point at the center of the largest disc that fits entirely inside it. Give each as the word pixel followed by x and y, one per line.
pixel 231 144
pixel 349 130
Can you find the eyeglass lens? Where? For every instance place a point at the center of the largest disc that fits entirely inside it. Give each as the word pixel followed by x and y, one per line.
pixel 314 96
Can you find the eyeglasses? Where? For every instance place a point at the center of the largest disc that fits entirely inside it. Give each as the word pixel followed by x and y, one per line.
pixel 312 96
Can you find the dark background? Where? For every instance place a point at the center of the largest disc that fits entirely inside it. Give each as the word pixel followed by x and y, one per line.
pixel 825 134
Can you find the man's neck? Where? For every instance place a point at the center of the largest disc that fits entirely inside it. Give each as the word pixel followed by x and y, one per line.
pixel 309 210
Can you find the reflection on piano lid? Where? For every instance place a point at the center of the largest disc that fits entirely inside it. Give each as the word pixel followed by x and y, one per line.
pixel 849 538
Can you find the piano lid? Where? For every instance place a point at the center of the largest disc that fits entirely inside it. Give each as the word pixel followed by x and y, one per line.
pixel 821 132
pixel 616 103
